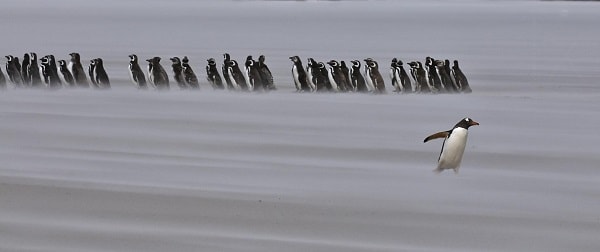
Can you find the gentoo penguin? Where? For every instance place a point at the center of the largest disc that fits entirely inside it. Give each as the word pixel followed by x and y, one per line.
pixel 49 71
pixel 374 75
pixel 225 69
pixel 135 72
pixel 236 76
pixel 346 73
pixel 24 70
pixel 419 76
pixel 265 74
pixel 357 79
pixel 444 77
pixel 13 70
pixel 253 77
pixel 460 78
pixel 34 70
pixel 67 76
pixel 188 73
pixel 157 75
pixel 336 76
pixel 92 73
pixel 299 75
pixel 77 70
pixel 433 77
pixel 454 144
pixel 100 74
pixel 212 74
pixel 178 72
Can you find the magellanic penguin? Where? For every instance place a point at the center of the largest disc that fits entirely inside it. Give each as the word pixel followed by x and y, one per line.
pixel 357 79
pixel 178 72
pixel 265 74
pixel 419 76
pixel 447 82
pixel 404 79
pixel 157 75
pixel 92 73
pixel 76 69
pixel 2 80
pixel 432 75
pixel 299 75
pixel 212 74
pixel 253 77
pixel 315 77
pixel 24 70
pixel 225 69
pixel 34 71
pixel 67 76
pixel 135 72
pixel 236 76
pixel 374 76
pixel 336 77
pixel 454 144
pixel 13 70
pixel 100 74
pixel 395 75
pixel 49 71
pixel 460 78
pixel 188 74
pixel 346 73
pixel 450 76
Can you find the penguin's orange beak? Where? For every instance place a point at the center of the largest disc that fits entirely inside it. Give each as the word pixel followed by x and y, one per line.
pixel 473 123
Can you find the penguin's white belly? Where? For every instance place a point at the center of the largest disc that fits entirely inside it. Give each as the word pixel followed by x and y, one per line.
pixel 453 149
pixel 296 77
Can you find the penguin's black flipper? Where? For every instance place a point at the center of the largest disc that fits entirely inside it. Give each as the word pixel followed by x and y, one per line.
pixel 442 134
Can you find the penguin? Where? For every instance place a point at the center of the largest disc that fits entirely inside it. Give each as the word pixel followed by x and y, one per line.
pixel 253 78
pixel 157 75
pixel 311 72
pixel 33 70
pixel 178 72
pixel 444 77
pixel 368 79
pixel 225 69
pixel 404 79
pixel 102 80
pixel 325 77
pixel 375 76
pixel 77 70
pixel 299 75
pixel 212 74
pixel 135 72
pixel 460 78
pixel 236 76
pixel 433 77
pixel 395 75
pixel 336 76
pixel 455 87
pixel 454 144
pixel 50 72
pixel 24 70
pixel 2 80
pixel 265 74
pixel 357 79
pixel 346 73
pixel 13 70
pixel 420 77
pixel 188 74
pixel 67 76
pixel 92 73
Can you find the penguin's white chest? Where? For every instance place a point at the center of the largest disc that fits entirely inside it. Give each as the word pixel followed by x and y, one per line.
pixel 453 149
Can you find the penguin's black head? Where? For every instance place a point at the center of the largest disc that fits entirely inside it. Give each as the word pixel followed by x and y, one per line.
pixel 368 60
pixel 343 63
pixel 261 58
pixel 93 62
pixel 75 56
pixel 26 57
pixel 233 63
pixel 133 58
pixel 211 61
pixel 311 61
pixel 175 60
pixel 185 60
pixel 45 60
pixel 447 62
pixel 394 60
pixel 295 58
pixel 439 63
pixel 32 56
pixel 399 63
pixel 355 63
pixel 466 123
pixel 333 63
pixel 372 64
pixel 62 63
pixel 98 61
pixel 455 63
pixel 226 56
pixel 249 58
pixel 9 57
